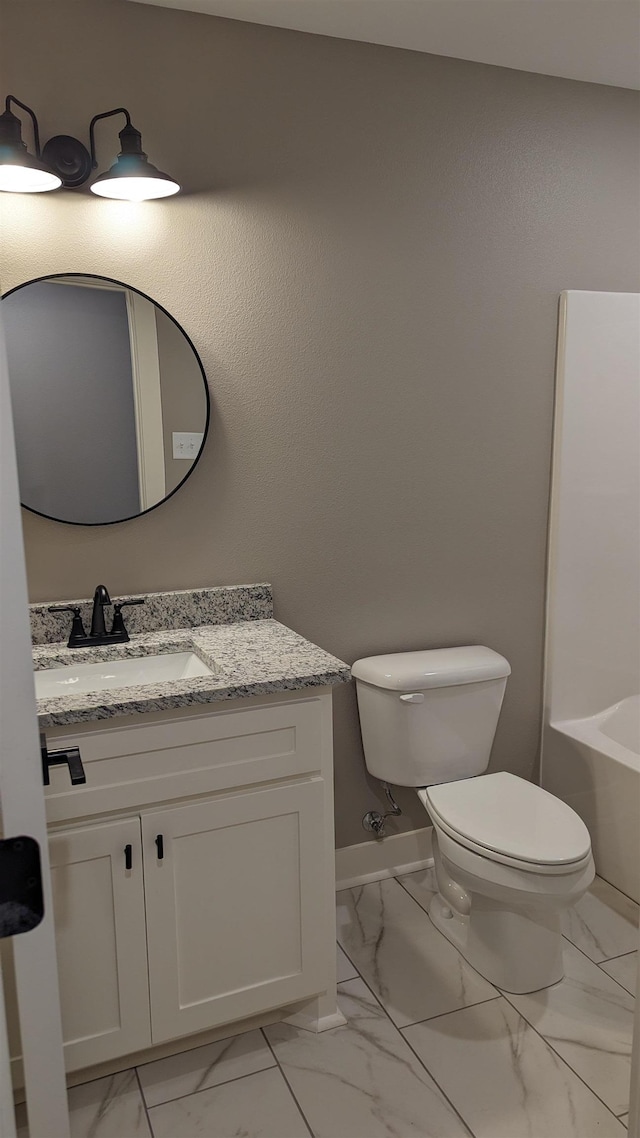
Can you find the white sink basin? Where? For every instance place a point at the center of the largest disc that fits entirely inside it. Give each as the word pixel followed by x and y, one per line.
pixel 131 672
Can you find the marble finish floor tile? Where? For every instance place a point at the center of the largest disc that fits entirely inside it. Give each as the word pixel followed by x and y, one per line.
pixel 345 969
pixel 505 1080
pixel 588 1019
pixel 193 1071
pixel 422 885
pixel 415 972
pixel 104 1108
pixel 362 1080
pixel 624 969
pixel 604 923
pixel 258 1106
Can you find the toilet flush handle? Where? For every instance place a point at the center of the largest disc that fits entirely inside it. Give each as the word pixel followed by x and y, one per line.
pixel 413 697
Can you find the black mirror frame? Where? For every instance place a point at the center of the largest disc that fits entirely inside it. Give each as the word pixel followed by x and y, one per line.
pixel 112 280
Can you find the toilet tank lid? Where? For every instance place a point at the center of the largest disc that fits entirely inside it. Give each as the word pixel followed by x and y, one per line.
pixel 433 668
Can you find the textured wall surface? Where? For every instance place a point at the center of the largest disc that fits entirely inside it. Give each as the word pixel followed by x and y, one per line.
pixel 368 256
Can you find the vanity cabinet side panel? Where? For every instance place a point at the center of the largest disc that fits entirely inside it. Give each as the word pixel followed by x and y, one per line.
pixel 234 906
pixel 101 941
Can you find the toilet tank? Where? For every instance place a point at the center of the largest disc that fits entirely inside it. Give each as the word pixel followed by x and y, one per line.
pixel 429 717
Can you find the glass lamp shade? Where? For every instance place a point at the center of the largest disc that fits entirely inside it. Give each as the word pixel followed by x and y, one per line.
pixel 133 178
pixel 23 173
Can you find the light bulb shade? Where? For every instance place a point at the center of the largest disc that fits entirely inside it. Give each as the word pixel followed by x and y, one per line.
pixel 31 177
pixel 134 181
pixel 132 177
pixel 21 172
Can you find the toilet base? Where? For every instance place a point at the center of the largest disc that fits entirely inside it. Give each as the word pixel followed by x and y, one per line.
pixel 516 950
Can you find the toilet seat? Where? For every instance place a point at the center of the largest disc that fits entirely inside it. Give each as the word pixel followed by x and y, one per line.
pixel 507 820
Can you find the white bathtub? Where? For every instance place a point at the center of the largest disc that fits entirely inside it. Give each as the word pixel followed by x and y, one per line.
pixel 593 764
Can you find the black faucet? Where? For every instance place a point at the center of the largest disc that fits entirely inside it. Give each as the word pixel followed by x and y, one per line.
pixel 100 599
pixel 98 635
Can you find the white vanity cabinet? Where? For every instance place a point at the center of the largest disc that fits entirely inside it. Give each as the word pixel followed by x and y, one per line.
pixel 231 920
pixel 193 873
pixel 101 941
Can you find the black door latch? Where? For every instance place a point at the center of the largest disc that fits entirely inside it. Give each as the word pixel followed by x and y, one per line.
pixel 21 900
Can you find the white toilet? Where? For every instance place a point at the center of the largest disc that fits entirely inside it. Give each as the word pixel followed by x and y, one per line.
pixel 509 856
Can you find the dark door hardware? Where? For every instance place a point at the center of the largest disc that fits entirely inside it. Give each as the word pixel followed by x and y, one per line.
pixel 128 856
pixel 160 846
pixel 98 635
pixel 21 900
pixel 70 756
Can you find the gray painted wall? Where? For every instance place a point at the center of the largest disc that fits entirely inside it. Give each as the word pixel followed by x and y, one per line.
pixel 368 258
pixel 72 399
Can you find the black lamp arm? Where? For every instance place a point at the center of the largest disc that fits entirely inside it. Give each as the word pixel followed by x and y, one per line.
pixel 36 133
pixel 94 120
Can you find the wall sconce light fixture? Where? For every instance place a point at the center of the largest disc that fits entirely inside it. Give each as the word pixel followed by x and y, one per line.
pixel 65 161
pixel 21 172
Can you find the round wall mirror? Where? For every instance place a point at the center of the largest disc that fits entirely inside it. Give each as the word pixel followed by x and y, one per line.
pixel 110 400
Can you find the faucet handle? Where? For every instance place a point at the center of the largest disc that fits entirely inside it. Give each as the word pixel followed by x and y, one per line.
pixel 77 627
pixel 118 626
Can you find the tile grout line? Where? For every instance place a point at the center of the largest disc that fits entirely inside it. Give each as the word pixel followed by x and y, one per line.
pixel 287 1083
pixel 437 1016
pixel 430 1019
pixel 410 894
pixel 599 964
pixel 144 1102
pixel 625 896
pixel 201 1090
pixel 400 1030
pixel 505 996
pixel 562 1059
pixel 604 903
pixel 350 961
pixel 620 956
pixel 435 1082
pixel 605 959
pixel 420 1061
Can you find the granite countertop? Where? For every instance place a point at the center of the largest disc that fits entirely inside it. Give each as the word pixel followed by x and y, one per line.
pixel 249 657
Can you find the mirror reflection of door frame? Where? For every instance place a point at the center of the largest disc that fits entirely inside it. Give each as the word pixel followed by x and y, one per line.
pixel 147 397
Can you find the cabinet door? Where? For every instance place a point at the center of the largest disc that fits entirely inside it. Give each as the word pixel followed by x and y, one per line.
pixel 233 906
pixel 101 941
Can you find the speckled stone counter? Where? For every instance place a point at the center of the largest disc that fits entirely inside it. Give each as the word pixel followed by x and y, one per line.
pixel 249 657
pixel 180 608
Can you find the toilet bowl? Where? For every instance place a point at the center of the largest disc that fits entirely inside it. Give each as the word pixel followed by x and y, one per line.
pixel 509 857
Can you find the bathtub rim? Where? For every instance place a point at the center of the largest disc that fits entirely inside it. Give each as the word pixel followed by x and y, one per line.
pixel 588 730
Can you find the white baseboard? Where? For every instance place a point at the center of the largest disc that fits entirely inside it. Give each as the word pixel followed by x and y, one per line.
pixel 386 857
